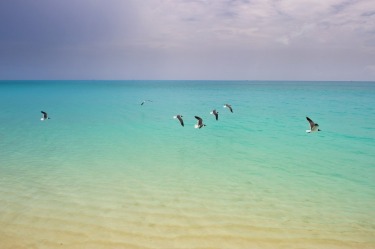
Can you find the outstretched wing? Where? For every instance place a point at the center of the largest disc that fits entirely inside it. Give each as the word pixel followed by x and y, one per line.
pixel 181 121
pixel 44 114
pixel 312 124
pixel 230 108
pixel 199 120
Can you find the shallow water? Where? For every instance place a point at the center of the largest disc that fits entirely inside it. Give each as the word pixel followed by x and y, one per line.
pixel 106 172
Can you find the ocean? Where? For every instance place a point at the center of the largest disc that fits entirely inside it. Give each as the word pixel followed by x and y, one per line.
pixel 108 172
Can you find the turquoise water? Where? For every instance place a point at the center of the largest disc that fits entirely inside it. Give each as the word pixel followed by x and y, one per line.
pixel 106 172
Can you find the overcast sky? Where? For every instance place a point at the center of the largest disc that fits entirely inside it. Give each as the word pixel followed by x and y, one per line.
pixel 188 39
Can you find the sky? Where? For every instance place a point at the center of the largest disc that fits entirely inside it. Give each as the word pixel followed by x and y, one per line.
pixel 187 39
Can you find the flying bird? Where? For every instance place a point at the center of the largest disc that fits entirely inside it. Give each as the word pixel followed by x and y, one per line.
pixel 199 123
pixel 179 117
pixel 229 107
pixel 313 126
pixel 45 116
pixel 214 112
pixel 144 101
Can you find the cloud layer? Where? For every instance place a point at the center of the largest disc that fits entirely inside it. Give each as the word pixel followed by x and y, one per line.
pixel 187 39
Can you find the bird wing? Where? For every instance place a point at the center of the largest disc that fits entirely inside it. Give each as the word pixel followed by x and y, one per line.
pixel 181 121
pixel 199 119
pixel 230 108
pixel 312 124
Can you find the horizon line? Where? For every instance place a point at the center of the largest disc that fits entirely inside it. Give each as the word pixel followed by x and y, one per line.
pixel 251 80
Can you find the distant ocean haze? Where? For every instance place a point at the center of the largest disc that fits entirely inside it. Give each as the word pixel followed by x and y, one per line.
pixel 106 171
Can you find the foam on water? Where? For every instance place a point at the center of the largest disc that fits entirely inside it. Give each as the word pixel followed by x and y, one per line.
pixel 106 172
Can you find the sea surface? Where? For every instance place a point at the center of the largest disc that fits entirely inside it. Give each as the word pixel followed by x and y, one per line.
pixel 108 172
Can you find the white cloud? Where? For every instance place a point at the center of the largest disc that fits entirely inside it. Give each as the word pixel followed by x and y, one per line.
pixel 183 23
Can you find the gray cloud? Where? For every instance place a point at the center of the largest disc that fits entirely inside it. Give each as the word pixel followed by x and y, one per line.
pixel 368 13
pixel 187 39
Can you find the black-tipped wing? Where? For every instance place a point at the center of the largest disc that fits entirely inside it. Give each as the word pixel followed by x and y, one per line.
pixel 200 121
pixel 44 114
pixel 180 119
pixel 312 124
pixel 229 107
pixel 216 114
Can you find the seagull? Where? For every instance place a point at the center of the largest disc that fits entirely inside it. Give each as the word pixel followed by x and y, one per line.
pixel 200 122
pixel 179 117
pixel 214 112
pixel 45 116
pixel 313 126
pixel 144 101
pixel 229 107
